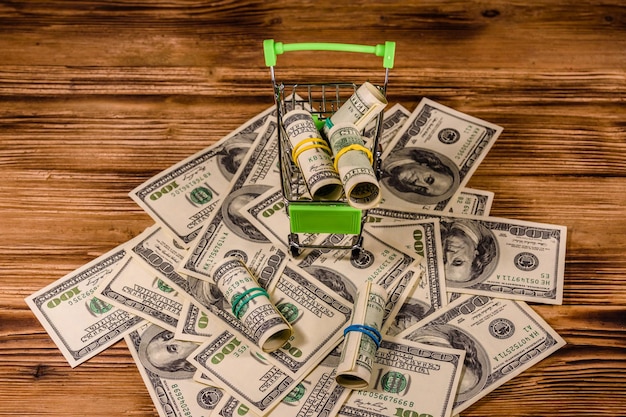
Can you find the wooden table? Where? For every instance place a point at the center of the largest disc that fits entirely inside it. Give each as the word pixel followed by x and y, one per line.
pixel 96 97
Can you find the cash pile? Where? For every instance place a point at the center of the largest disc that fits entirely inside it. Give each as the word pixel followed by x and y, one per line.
pixel 456 281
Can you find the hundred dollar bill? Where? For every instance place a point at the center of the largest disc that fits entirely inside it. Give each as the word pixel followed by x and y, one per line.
pixel 195 323
pixel 422 238
pixel 467 201
pixel 471 201
pixel 81 324
pixel 182 197
pixel 502 338
pixel 139 291
pixel 393 119
pixel 499 257
pixel 168 376
pixel 363 338
pixel 433 155
pixel 409 379
pixel 262 385
pixel 318 395
pixel 227 233
pixel 312 155
pixel 399 294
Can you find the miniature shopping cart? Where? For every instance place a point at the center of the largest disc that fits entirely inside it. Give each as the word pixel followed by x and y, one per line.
pixel 322 100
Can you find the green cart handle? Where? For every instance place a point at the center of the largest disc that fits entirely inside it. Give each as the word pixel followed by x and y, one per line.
pixel 272 49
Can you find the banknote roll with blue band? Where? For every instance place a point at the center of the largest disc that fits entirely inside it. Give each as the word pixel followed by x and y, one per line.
pixel 370 331
pixel 362 337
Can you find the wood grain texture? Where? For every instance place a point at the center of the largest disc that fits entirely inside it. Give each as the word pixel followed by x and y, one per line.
pixel 98 96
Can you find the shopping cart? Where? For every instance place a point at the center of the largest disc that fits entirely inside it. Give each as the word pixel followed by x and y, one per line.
pixel 322 100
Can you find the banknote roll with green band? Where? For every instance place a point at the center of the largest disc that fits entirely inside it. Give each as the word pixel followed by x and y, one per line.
pixel 240 301
pixel 251 304
pixel 370 331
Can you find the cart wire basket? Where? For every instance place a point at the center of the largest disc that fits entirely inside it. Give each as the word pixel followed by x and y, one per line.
pixel 322 100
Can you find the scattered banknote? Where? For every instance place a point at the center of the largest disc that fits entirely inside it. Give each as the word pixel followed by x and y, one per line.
pixel 400 293
pixel 227 233
pixel 423 238
pixel 183 196
pixel 224 357
pixel 318 395
pixel 79 322
pixel 433 155
pixel 140 291
pixel 408 379
pixel 499 257
pixel 196 323
pixel 501 338
pixel 167 374
pixel 471 201
pixel 393 119
pixel 378 261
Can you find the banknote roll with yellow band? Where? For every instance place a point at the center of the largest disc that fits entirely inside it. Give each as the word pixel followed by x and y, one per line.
pixel 354 164
pixel 353 147
pixel 306 144
pixel 311 155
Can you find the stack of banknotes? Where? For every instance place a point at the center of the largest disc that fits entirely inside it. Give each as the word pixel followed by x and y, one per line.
pixel 455 321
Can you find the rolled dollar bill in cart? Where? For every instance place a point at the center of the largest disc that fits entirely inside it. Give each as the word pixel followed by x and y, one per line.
pixel 354 162
pixel 312 155
pixel 361 108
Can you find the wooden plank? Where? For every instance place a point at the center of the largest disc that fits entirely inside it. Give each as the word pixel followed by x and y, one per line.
pixel 96 97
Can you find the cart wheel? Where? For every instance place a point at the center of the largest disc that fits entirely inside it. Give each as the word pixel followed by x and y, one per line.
pixel 294 245
pixel 357 247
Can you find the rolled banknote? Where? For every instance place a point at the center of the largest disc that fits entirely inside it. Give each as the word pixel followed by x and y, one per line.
pixel 362 337
pixel 251 304
pixel 354 164
pixel 312 155
pixel 365 104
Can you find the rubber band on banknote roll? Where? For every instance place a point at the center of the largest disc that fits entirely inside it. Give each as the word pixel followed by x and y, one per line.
pixel 241 300
pixel 367 330
pixel 353 147
pixel 306 144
